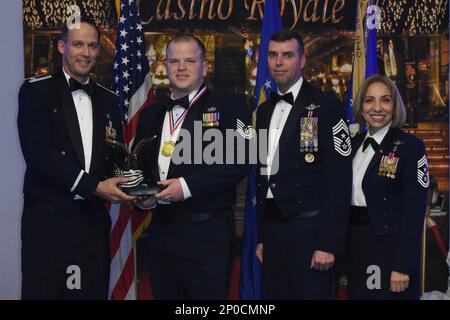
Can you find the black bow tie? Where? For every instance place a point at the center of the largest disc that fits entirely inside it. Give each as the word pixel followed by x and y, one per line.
pixel 371 141
pixel 288 97
pixel 75 85
pixel 182 102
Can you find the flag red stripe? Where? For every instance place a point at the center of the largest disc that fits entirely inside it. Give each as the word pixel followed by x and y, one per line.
pixel 131 127
pixel 125 280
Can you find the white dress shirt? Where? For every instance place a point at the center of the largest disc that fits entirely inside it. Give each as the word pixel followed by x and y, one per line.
pixel 360 163
pixel 277 122
pixel 83 107
pixel 163 161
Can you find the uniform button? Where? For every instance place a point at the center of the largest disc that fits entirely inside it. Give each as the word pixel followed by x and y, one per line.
pixel 384 199
pixel 300 201
pixel 385 226
pixel 296 166
pixel 273 185
pixel 106 158
pixel 297 184
pixel 259 184
pixel 383 213
pixel 260 202
pixel 63 153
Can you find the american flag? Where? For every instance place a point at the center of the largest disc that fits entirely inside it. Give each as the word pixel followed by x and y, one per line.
pixel 132 82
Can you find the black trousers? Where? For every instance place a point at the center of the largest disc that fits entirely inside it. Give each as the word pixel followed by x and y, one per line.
pixel 364 249
pixel 191 260
pixel 52 241
pixel 288 250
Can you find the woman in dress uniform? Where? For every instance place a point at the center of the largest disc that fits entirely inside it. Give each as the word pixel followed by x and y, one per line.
pixel 389 194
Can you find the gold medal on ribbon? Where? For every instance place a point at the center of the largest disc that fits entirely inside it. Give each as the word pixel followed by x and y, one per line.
pixel 309 157
pixel 167 148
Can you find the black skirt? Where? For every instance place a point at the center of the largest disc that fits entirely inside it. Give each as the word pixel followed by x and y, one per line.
pixel 370 261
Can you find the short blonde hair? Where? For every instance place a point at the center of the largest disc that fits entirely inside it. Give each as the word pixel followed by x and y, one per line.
pixel 399 114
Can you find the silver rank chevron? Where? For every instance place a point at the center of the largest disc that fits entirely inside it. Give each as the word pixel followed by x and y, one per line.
pixel 423 175
pixel 341 138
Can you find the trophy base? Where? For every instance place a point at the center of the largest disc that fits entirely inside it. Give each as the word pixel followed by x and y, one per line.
pixel 142 191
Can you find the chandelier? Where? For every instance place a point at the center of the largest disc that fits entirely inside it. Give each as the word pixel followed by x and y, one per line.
pixel 413 17
pixel 51 14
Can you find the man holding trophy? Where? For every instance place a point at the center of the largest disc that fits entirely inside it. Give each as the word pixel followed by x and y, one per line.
pixel 192 228
pixel 63 122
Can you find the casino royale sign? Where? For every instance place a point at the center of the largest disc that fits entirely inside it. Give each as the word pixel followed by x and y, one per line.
pixel 245 15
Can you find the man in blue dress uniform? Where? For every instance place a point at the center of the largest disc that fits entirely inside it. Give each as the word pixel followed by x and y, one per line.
pixel 303 187
pixel 63 122
pixel 191 233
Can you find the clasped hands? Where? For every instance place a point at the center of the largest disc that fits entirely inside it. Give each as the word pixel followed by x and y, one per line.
pixel 110 191
pixel 172 192
pixel 320 260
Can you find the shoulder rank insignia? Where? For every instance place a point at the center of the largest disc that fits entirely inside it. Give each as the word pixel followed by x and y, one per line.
pixel 245 131
pixel 423 175
pixel 341 139
pixel 38 78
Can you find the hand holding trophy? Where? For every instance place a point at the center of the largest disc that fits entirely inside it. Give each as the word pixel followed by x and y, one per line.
pixel 127 164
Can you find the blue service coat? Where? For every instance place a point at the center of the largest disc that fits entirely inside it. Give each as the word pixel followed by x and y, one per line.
pixel 301 185
pixel 397 203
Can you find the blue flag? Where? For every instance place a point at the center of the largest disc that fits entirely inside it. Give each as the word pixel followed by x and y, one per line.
pixel 251 274
pixel 365 54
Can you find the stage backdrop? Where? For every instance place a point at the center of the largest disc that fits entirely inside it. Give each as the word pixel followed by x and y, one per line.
pixel 11 161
